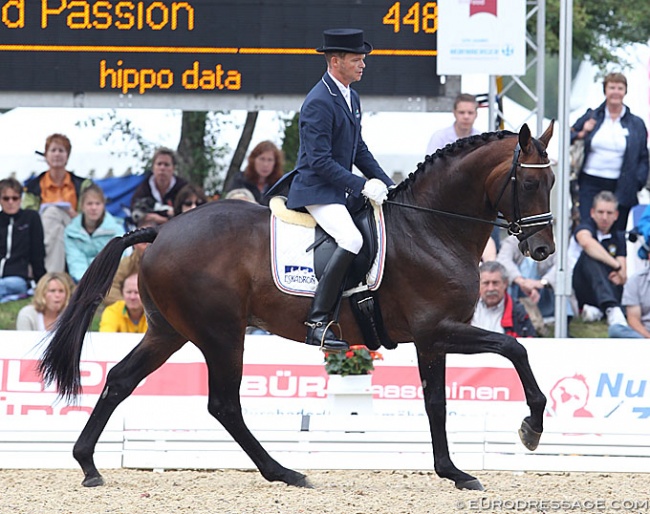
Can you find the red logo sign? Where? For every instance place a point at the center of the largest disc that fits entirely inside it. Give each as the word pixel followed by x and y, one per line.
pixel 486 6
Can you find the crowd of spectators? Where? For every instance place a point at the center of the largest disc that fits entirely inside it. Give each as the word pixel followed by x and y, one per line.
pixel 56 223
pixel 53 225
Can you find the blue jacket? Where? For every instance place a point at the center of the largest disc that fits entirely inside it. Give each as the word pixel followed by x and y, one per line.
pixel 634 170
pixel 330 143
pixel 81 247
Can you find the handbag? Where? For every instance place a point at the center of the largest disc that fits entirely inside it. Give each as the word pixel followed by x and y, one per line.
pixel 576 158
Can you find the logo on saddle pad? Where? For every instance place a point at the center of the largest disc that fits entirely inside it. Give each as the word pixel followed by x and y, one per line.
pixel 294 274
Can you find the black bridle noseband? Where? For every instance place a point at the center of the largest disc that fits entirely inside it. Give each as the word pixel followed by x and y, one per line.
pixel 514 228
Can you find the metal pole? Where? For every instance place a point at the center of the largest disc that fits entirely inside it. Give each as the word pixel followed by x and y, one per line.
pixel 492 107
pixel 541 59
pixel 563 282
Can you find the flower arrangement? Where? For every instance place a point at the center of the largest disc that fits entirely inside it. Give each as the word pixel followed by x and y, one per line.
pixel 358 360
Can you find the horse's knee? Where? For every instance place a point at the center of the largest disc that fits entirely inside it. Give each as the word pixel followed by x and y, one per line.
pixel 514 350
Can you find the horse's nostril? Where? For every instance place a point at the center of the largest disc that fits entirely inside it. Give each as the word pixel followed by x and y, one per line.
pixel 541 253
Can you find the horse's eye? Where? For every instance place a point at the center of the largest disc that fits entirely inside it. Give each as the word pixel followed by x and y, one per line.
pixel 531 185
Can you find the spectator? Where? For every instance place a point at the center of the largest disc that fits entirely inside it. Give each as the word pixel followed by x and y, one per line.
pixel 615 151
pixel 496 310
pixel 597 258
pixel 126 315
pixel 189 197
pixel 636 300
pixel 465 112
pixel 87 234
pixel 128 266
pixel 490 251
pixel 264 168
pixel 240 194
pixel 51 297
pixel 55 194
pixel 21 243
pixel 530 279
pixel 156 195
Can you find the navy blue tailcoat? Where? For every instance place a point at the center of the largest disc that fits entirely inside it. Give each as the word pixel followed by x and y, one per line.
pixel 330 143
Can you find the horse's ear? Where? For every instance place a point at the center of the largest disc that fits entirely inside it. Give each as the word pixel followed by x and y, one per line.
pixel 547 135
pixel 524 137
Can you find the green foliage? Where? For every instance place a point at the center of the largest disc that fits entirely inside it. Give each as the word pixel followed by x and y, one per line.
pixel 291 141
pixel 599 28
pixel 358 360
pixel 124 134
pixel 199 151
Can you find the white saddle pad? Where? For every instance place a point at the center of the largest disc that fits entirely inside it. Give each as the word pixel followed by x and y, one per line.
pixel 293 267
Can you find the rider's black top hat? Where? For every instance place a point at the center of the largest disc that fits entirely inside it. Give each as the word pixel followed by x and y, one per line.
pixel 345 40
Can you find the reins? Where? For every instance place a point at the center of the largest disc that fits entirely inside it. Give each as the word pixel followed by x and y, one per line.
pixel 514 228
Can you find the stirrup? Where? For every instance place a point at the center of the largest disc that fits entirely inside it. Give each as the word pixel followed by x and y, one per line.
pixel 318 324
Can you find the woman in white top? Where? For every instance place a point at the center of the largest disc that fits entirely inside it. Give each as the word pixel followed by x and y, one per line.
pixel 616 151
pixel 51 297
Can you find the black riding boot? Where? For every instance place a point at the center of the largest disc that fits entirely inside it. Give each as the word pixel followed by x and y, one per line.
pixel 327 296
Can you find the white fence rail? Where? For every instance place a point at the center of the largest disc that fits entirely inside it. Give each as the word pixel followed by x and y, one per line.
pixel 331 442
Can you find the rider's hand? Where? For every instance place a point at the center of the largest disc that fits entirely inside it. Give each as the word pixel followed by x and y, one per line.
pixel 375 190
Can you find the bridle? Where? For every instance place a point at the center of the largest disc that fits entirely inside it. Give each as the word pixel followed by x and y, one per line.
pixel 514 228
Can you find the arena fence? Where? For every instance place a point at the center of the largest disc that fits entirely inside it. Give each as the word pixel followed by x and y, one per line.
pixel 597 419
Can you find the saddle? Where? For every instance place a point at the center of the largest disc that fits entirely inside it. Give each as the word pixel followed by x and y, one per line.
pixel 364 302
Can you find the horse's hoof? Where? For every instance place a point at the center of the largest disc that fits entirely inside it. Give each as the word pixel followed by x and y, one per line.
pixel 472 485
pixel 529 438
pixel 93 481
pixel 302 481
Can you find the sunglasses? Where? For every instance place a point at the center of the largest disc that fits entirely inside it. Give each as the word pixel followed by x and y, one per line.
pixel 189 203
pixel 10 198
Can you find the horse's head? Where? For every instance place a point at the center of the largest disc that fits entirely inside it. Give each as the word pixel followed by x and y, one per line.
pixel 523 195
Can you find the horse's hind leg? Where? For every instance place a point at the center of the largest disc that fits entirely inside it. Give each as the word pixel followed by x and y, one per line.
pixel 145 358
pixel 225 374
pixel 432 372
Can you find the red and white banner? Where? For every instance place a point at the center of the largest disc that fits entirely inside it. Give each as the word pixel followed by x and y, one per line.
pixel 581 378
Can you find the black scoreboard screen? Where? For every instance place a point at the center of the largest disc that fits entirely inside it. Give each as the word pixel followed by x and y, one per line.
pixel 213 46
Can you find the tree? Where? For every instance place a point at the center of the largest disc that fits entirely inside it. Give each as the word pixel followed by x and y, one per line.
pixel 291 141
pixel 599 28
pixel 242 147
pixel 193 156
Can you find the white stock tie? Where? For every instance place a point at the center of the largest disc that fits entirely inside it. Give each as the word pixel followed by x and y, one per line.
pixel 346 96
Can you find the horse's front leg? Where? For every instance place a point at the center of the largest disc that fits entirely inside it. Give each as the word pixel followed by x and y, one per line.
pixel 432 373
pixel 469 340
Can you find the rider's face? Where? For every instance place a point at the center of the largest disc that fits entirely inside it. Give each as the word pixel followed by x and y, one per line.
pixel 348 68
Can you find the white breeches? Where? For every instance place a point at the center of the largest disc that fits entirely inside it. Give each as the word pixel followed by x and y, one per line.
pixel 335 219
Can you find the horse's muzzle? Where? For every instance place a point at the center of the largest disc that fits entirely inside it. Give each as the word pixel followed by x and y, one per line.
pixel 538 252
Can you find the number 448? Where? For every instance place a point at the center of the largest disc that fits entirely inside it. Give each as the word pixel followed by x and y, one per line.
pixel 424 18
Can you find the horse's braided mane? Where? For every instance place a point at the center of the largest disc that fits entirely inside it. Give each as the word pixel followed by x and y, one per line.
pixel 450 150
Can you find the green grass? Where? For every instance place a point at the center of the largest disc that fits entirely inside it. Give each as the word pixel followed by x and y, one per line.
pixel 9 313
pixel 580 329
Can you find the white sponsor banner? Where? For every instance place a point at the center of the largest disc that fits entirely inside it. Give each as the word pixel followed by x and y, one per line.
pixel 580 377
pixel 481 36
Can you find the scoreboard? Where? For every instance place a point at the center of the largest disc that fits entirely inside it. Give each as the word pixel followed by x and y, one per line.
pixel 210 47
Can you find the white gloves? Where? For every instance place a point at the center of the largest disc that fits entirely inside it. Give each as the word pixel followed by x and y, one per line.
pixel 375 190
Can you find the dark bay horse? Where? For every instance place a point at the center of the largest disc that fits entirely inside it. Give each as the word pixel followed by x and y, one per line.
pixel 207 276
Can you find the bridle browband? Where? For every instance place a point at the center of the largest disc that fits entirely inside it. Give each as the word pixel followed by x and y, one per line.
pixel 514 228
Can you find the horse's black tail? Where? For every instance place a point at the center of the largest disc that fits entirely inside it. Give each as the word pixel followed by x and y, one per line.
pixel 60 360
